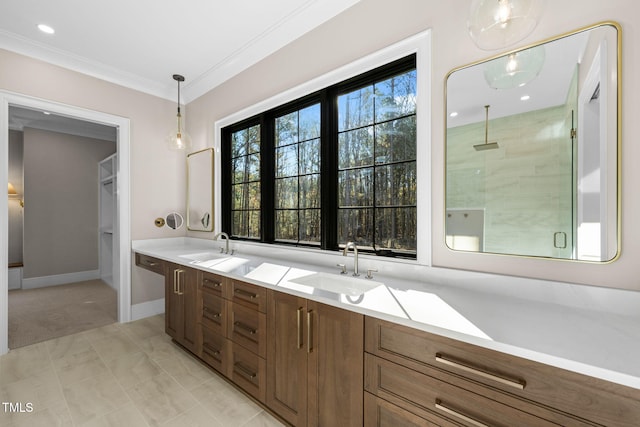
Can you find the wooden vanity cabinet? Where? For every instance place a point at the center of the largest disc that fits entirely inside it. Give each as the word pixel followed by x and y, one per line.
pixel 314 362
pixel 150 263
pixel 433 376
pixel 181 300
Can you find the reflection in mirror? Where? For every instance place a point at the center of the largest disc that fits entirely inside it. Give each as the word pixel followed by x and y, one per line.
pixel 539 177
pixel 200 190
pixel 174 220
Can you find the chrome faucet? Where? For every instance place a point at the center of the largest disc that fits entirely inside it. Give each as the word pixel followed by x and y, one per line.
pixel 226 236
pixel 355 256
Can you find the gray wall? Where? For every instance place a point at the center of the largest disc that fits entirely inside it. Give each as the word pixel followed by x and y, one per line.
pixel 61 202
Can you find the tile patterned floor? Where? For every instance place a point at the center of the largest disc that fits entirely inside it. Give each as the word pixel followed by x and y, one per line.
pixel 119 375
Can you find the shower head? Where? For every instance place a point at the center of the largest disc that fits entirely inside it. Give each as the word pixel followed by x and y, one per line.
pixel 486 146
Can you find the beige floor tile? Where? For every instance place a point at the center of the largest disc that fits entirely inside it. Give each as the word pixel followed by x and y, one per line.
pixel 80 366
pixel 41 391
pixel 23 363
pixel 125 416
pixel 94 397
pixel 225 403
pixel 50 417
pixel 132 369
pixel 144 328
pixel 160 399
pixel 263 419
pixel 103 332
pixel 67 346
pixel 116 345
pixel 187 371
pixel 195 417
pixel 159 347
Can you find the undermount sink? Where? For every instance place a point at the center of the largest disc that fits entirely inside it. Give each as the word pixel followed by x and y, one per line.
pixel 337 283
pixel 205 256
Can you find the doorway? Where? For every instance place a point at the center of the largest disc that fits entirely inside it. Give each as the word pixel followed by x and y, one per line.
pixel 122 256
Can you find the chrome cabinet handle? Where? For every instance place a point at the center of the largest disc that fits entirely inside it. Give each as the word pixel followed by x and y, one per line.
pixel 511 383
pixel 242 292
pixel 443 408
pixel 245 327
pixel 300 338
pixel 244 371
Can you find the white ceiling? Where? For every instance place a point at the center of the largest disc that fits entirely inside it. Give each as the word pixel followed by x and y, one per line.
pixel 140 44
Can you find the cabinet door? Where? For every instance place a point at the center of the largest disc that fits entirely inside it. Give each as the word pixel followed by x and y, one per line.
pixel 287 357
pixel 188 290
pixel 172 302
pixel 335 366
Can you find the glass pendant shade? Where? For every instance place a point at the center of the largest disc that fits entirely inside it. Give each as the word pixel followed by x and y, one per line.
pixel 516 69
pixel 179 139
pixel 495 24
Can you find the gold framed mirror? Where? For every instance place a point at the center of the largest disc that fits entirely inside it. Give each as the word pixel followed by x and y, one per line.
pixel 532 153
pixel 200 190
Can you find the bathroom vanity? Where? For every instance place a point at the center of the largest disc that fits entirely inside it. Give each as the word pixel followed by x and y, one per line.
pixel 319 348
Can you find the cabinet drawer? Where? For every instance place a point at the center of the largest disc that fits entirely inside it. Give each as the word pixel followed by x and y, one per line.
pixel 380 413
pixel 247 327
pixel 589 398
pixel 215 350
pixel 213 283
pixel 150 263
pixel 248 370
pixel 427 396
pixel 214 312
pixel 249 295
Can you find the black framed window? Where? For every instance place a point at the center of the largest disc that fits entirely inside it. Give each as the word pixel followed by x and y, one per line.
pixel 335 166
pixel 246 183
pixel 297 176
pixel 377 165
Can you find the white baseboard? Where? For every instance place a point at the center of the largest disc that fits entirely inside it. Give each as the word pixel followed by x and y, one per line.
pixel 147 309
pixel 59 279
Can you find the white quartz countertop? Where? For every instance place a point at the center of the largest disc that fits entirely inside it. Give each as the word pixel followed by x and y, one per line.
pixel 580 337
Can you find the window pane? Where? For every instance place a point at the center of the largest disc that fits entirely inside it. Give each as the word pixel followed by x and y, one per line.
pixel 287 161
pixel 310 226
pixel 239 143
pixel 287 193
pixel 355 109
pixel 355 148
pixel 310 157
pixel 240 219
pixel 310 122
pixel 253 139
pixel 287 129
pixel 254 224
pixel 287 225
pixel 396 96
pixel 253 167
pixel 396 185
pixel 355 225
pixel 355 187
pixel 239 171
pixel 310 191
pixel 396 140
pixel 396 228
pixel 254 195
pixel 240 198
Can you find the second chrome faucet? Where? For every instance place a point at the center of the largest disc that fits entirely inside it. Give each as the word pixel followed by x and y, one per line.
pixel 351 245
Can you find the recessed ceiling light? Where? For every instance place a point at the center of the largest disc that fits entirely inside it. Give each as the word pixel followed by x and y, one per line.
pixel 46 113
pixel 525 98
pixel 454 114
pixel 46 29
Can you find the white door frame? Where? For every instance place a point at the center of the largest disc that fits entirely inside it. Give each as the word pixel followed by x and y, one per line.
pixel 122 280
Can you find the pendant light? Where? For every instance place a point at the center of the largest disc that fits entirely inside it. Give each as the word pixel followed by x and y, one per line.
pixel 495 24
pixel 516 69
pixel 487 145
pixel 179 140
